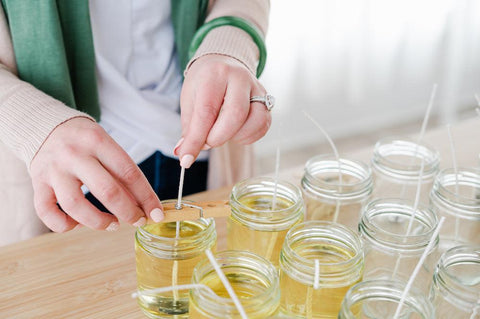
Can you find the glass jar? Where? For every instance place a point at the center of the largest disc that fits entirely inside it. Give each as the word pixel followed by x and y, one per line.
pixel 255 225
pixel 380 299
pixel 253 278
pixel 164 260
pixel 389 252
pixel 456 283
pixel 459 205
pixel 320 253
pixel 396 165
pixel 328 199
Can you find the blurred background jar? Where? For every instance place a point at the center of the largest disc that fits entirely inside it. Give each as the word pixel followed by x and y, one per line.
pixel 336 190
pixel 391 253
pixel 455 289
pixel 253 278
pixel 396 166
pixel 165 259
pixel 263 210
pixel 380 299
pixel 319 262
pixel 456 196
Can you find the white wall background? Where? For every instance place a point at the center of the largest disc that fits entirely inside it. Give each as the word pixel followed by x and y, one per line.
pixel 361 65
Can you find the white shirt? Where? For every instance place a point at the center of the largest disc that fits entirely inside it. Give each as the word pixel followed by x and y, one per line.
pixel 139 79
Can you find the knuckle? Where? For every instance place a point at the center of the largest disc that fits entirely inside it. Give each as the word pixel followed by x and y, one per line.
pixel 131 174
pixel 208 112
pixel 221 69
pixel 109 192
pixel 70 202
pixel 94 135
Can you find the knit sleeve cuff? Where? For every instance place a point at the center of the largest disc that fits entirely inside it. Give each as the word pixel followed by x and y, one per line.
pixel 28 116
pixel 229 41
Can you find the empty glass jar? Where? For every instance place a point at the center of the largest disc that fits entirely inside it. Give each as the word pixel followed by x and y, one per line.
pixel 253 278
pixel 319 262
pixel 456 283
pixel 396 165
pixel 391 253
pixel 456 196
pixel 262 213
pixel 163 259
pixel 336 190
pixel 375 299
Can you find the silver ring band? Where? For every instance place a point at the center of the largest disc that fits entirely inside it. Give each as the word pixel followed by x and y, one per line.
pixel 267 100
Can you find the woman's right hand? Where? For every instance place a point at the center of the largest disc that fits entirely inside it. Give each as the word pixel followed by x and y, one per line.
pixel 80 152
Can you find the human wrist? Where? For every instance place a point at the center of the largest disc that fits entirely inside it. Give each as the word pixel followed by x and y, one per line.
pixel 28 116
pixel 232 37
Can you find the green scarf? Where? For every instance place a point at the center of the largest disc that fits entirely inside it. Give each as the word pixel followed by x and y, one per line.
pixel 53 45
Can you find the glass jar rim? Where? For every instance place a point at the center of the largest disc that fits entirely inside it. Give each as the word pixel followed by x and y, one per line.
pixel 465 176
pixel 387 146
pixel 361 188
pixel 385 290
pixel 166 245
pixel 445 280
pixel 239 258
pixel 305 268
pixel 413 243
pixel 280 218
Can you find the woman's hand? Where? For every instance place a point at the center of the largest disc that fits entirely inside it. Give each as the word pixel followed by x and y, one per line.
pixel 80 152
pixel 216 108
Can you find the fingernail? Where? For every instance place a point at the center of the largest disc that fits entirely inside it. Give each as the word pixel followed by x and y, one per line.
pixel 175 149
pixel 187 161
pixel 78 226
pixel 157 215
pixel 113 226
pixel 140 222
pixel 206 147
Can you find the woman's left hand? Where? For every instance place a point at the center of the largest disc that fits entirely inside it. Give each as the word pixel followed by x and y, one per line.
pixel 216 108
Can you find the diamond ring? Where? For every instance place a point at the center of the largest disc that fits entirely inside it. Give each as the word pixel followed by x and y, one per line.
pixel 268 100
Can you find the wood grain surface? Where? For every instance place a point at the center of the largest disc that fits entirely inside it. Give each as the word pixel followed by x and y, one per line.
pixel 91 274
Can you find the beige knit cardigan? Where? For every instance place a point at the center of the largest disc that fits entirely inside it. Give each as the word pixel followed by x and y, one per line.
pixel 28 116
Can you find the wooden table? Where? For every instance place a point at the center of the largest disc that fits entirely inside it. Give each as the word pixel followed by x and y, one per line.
pixel 91 274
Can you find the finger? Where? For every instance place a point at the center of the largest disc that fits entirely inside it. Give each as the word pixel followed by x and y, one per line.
pixel 109 192
pixel 47 210
pixel 208 100
pixel 233 114
pixel 256 125
pixel 116 161
pixel 73 202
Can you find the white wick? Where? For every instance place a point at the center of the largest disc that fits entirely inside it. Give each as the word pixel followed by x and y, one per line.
pixel 337 157
pixel 169 288
pixel 427 113
pixel 316 279
pixel 180 189
pixel 226 284
pixel 417 268
pixel 277 169
pixel 417 198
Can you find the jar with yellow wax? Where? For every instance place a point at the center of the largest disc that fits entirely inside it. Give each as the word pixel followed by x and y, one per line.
pixel 393 249
pixel 375 299
pixel 396 165
pixel 319 262
pixel 456 196
pixel 455 290
pixel 253 279
pixel 263 211
pixel 165 257
pixel 336 190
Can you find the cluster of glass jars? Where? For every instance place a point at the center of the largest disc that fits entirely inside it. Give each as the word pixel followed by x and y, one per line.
pixel 342 245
